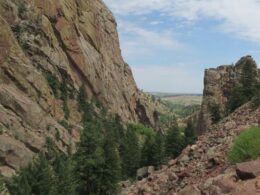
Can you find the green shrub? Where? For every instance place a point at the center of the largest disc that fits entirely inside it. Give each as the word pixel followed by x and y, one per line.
pixel 57 135
pixel 1 129
pixel 215 113
pixel 246 146
pixel 1 185
pixel 53 83
pixel 22 9
pixel 256 99
pixel 236 99
pixel 141 129
pixel 66 125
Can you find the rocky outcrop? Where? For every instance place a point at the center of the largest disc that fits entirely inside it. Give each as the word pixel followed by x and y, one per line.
pixel 218 85
pixel 248 170
pixel 48 50
pixel 203 168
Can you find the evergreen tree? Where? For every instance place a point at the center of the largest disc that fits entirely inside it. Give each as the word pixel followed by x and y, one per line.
pixel 89 161
pixel 215 113
pixel 82 98
pixel 64 98
pixel 50 174
pixel 1 185
pixel 248 89
pixel 38 178
pixel 66 181
pixel 236 99
pixel 159 153
pixel 256 99
pixel 148 151
pixel 130 154
pixel 189 133
pixel 249 79
pixel 174 142
pixel 111 168
pixel 19 184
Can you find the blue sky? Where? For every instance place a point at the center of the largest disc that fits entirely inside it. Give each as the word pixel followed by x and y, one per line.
pixel 169 43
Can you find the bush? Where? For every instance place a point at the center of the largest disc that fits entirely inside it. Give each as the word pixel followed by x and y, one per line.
pixel 256 99
pixel 246 146
pixel 1 185
pixel 215 113
pixel 1 129
pixel 53 83
pixel 66 125
pixel 236 99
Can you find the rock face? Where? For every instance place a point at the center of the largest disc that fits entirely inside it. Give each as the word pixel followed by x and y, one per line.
pixel 218 84
pixel 203 168
pixel 48 50
pixel 248 170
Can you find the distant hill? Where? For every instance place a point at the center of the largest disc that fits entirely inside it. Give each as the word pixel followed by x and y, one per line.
pixel 166 94
pixel 178 98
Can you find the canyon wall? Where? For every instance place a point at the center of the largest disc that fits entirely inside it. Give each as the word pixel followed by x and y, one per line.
pixel 218 85
pixel 48 50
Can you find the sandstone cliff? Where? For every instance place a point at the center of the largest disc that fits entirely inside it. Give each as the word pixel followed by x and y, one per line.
pixel 48 50
pixel 218 85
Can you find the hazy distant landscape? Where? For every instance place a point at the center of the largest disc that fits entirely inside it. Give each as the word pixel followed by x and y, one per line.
pixel 179 98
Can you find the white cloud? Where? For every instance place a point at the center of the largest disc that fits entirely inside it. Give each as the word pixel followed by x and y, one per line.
pixel 137 41
pixel 168 79
pixel 237 17
pixel 139 7
pixel 156 22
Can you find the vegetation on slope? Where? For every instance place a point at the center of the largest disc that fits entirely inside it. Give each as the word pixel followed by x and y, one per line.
pixel 248 90
pixel 246 146
pixel 107 153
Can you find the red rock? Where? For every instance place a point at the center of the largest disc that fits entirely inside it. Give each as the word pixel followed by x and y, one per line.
pixel 248 170
pixel 189 190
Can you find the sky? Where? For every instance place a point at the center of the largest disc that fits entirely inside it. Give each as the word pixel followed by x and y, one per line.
pixel 169 43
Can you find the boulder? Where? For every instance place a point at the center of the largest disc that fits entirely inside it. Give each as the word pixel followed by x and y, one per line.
pixel 142 173
pixel 248 170
pixel 184 159
pixel 189 190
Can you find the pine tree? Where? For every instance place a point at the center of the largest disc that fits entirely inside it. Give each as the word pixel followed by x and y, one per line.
pixel 111 168
pixel 189 133
pixel 148 152
pixel 1 185
pixel 249 79
pixel 236 99
pixel 256 99
pixel 63 167
pixel 247 90
pixel 82 98
pixel 130 154
pixel 50 174
pixel 159 153
pixel 38 178
pixel 89 160
pixel 153 150
pixel 174 142
pixel 19 184
pixel 215 113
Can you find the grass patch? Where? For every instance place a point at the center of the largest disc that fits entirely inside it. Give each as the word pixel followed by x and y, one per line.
pixel 246 146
